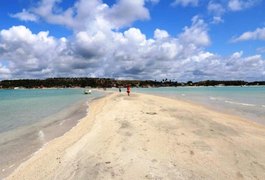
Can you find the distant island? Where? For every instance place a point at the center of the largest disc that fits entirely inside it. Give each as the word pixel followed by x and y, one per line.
pixel 108 83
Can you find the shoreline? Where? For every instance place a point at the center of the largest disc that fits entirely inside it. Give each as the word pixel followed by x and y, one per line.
pixel 63 149
pixel 251 111
pixel 211 109
pixel 38 135
pixel 36 153
pixel 215 108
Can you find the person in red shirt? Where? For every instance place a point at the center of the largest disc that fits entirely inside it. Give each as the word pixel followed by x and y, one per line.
pixel 128 90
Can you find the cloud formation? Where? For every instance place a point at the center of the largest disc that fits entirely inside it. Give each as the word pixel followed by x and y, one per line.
pixel 98 47
pixel 28 54
pixel 237 5
pixel 25 16
pixel 258 34
pixel 83 15
pixel 218 8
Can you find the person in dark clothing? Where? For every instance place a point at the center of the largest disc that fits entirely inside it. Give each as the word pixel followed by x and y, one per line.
pixel 128 90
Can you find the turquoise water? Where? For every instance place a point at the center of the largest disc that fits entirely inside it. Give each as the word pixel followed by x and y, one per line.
pixel 29 118
pixel 247 102
pixel 24 107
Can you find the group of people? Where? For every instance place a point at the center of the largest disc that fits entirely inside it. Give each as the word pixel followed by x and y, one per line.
pixel 128 90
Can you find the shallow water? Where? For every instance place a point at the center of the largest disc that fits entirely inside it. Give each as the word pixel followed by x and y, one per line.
pixel 246 102
pixel 31 118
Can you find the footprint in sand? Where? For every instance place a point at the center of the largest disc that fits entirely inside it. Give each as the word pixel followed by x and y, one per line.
pixel 239 175
pixel 201 145
pixel 154 161
pixel 151 113
pixel 144 149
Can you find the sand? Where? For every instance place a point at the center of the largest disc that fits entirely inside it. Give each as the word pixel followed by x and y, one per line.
pixel 151 137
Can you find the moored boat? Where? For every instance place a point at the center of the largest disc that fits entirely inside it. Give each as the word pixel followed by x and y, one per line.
pixel 87 91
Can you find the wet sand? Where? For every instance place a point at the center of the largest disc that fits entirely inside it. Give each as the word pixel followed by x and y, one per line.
pixel 151 137
pixel 18 145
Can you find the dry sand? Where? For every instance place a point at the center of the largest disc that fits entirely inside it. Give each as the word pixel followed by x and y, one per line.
pixel 151 137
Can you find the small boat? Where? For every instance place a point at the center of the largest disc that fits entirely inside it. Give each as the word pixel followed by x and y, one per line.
pixel 87 91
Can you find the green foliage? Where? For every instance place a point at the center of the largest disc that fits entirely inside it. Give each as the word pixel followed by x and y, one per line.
pixel 107 82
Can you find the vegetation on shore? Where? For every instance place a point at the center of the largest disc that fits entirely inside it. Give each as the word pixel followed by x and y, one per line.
pixel 108 82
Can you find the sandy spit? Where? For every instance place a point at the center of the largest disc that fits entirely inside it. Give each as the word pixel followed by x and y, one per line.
pixel 151 137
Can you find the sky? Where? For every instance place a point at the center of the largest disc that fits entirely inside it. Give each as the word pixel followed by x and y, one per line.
pixel 180 40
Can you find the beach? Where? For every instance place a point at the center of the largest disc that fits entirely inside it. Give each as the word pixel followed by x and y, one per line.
pixel 151 137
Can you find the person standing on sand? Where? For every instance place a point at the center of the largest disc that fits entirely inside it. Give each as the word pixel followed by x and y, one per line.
pixel 119 89
pixel 128 90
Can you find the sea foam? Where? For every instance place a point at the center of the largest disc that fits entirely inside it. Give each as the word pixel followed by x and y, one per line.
pixel 238 103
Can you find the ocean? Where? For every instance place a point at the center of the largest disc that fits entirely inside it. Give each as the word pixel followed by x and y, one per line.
pixel 29 118
pixel 247 102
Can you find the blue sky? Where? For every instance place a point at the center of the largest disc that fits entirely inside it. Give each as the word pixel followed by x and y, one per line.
pixel 133 39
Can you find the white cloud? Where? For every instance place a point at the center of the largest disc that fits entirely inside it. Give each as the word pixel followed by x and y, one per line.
pixel 237 5
pixel 128 54
pixel 196 34
pixel 4 71
pixel 96 48
pixel 250 68
pixel 49 11
pixel 135 36
pixel 186 2
pixel 84 15
pixel 26 52
pixel 217 20
pixel 90 46
pixel 216 8
pixel 160 34
pixel 237 55
pixel 258 34
pixel 25 16
pixel 127 11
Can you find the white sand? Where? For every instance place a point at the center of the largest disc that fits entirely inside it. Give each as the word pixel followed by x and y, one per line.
pixel 150 137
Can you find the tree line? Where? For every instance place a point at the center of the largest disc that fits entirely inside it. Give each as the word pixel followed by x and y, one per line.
pixel 108 82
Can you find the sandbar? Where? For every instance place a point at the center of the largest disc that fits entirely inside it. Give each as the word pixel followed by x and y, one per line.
pixel 150 137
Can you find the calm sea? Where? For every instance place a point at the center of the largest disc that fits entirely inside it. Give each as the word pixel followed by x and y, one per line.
pixel 31 118
pixel 247 102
